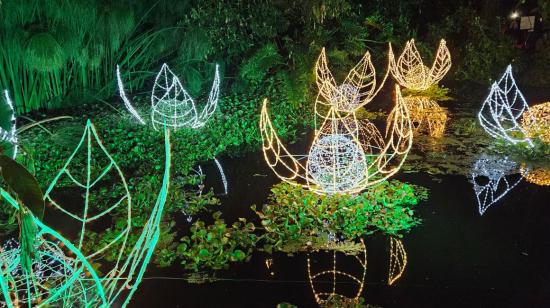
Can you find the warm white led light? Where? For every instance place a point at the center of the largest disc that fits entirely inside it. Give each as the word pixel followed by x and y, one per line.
pixel 398 260
pixel 426 116
pixel 410 71
pixel 502 109
pixel 346 155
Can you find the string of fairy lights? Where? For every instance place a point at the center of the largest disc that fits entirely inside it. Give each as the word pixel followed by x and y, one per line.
pixel 171 105
pixel 9 134
pixel 346 155
pixel 71 280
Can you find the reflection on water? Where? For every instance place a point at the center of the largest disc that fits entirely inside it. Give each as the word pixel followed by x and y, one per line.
pixel 337 275
pixel 426 116
pixel 398 260
pixel 493 177
pixel 325 275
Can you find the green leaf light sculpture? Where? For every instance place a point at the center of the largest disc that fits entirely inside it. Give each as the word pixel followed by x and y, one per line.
pixel 61 273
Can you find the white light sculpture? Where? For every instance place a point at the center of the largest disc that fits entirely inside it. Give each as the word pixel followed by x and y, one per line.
pixel 502 109
pixel 9 134
pixel 409 69
pixel 501 177
pixel 347 155
pixel 426 115
pixel 171 105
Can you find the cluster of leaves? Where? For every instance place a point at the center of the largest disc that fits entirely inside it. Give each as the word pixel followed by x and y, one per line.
pixel 214 246
pixel 295 217
pixel 521 151
pixel 434 92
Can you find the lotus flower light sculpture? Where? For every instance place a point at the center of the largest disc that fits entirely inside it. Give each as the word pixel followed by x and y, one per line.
pixel 502 110
pixel 492 179
pixel 346 155
pixel 171 105
pixel 410 71
pixel 76 283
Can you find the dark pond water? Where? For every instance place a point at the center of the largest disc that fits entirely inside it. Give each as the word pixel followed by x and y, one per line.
pixel 456 258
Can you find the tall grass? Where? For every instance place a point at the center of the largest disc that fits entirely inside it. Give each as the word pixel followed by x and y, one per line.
pixel 53 52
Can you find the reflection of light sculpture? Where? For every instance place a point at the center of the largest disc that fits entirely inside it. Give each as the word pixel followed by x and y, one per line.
pixel 171 105
pixel 426 115
pixel 409 69
pixel 126 272
pixel 501 110
pixel 538 176
pixel 499 172
pixel 8 134
pixel 536 122
pixel 347 155
pixel 398 260
pixel 336 276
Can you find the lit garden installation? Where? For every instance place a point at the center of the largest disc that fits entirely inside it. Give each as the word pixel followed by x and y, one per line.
pixel 58 270
pixel 346 155
pixel 248 153
pixel 410 71
pixel 502 111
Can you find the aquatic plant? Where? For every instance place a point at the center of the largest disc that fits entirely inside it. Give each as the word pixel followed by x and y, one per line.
pixel 296 218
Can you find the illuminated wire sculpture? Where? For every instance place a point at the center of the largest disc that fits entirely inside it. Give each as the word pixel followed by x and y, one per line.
pixel 171 105
pixel 535 121
pixel 398 260
pixel 59 273
pixel 124 274
pixel 426 116
pixel 538 176
pixel 335 275
pixel 499 175
pixel 8 134
pixel 409 69
pixel 502 109
pixel 346 155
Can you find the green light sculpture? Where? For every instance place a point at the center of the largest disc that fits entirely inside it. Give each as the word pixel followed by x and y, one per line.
pixel 77 282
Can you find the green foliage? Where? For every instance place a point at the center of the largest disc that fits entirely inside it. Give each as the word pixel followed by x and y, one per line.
pixel 44 54
pixel 480 50
pixel 214 246
pixel 434 92
pixel 20 181
pixel 521 151
pixel 295 218
pixel 258 66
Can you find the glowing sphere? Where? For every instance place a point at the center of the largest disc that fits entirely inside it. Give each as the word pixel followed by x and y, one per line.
pixel 346 98
pixel 337 163
pixel 536 122
pixel 537 176
pixel 415 78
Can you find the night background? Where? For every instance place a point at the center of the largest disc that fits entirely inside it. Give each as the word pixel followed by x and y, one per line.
pixel 323 153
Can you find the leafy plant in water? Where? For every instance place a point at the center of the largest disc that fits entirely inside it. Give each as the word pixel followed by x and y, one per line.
pixel 296 218
pixel 214 246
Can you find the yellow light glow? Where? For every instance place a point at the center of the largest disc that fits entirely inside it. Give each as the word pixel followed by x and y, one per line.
pixel 409 69
pixel 535 121
pixel 426 116
pixel 537 176
pixel 346 156
pixel 398 260
pixel 334 273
